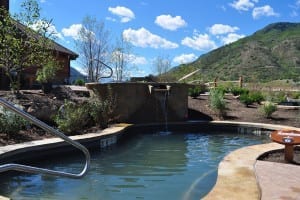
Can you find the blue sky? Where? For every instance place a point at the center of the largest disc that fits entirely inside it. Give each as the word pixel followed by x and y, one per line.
pixel 180 30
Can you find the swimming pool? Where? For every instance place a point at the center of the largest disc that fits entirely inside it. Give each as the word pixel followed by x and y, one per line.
pixel 142 165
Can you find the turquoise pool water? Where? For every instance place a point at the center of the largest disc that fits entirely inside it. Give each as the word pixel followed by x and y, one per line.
pixel 142 166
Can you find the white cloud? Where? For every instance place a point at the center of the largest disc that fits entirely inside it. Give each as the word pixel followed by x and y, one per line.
pixel 295 8
pixel 231 37
pixel 144 38
pixel 72 31
pixel 219 29
pixel 111 19
pixel 243 5
pixel 137 73
pixel 137 60
pixel 51 29
pixel 124 13
pixel 184 58
pixel 263 11
pixel 200 42
pixel 294 13
pixel 170 23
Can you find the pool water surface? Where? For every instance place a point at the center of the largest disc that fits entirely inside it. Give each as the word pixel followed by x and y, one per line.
pixel 144 166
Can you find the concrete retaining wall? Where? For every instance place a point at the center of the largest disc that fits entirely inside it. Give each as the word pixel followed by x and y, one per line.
pixel 135 104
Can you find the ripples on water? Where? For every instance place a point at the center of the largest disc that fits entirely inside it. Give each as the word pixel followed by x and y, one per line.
pixel 147 166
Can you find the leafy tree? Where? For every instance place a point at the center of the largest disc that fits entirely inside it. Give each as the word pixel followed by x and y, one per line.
pixel 24 41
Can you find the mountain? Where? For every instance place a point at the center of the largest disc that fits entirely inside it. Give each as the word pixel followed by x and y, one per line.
pixel 269 54
pixel 75 75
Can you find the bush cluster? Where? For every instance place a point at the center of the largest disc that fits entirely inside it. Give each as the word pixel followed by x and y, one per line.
pixel 11 122
pixel 278 97
pixel 194 92
pixel 79 82
pixel 72 117
pixel 249 98
pixel 239 91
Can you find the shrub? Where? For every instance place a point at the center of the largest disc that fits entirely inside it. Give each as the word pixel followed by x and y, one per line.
pixel 75 117
pixel 102 108
pixel 100 111
pixel 79 82
pixel 11 122
pixel 194 92
pixel 252 97
pixel 246 99
pixel 268 109
pixel 72 117
pixel 222 89
pixel 278 97
pixel 257 96
pixel 217 101
pixel 295 95
pixel 239 91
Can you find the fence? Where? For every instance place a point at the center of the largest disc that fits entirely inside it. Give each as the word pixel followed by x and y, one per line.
pixel 217 82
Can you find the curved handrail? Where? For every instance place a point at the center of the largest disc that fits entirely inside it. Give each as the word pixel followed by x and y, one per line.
pixel 44 126
pixel 110 69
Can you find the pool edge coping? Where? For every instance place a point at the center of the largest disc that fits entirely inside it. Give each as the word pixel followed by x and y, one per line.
pixel 231 161
pixel 239 166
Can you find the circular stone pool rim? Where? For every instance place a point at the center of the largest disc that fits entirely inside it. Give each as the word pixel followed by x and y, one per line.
pixel 236 172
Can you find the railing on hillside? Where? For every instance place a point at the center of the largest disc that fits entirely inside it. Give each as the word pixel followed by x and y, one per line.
pixel 31 169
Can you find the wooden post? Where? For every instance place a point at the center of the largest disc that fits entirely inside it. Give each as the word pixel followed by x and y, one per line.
pixel 241 81
pixel 215 82
pixel 289 153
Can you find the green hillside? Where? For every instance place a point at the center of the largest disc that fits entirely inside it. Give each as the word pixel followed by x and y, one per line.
pixel 269 54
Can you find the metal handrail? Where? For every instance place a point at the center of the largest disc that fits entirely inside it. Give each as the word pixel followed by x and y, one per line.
pixel 110 69
pixel 37 170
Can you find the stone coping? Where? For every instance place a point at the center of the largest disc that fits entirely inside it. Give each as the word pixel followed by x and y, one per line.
pixel 236 172
pixel 10 150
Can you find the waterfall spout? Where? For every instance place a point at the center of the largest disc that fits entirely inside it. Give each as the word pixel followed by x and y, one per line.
pixel 159 88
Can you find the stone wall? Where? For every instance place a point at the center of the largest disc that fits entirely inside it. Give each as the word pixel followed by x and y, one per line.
pixel 134 103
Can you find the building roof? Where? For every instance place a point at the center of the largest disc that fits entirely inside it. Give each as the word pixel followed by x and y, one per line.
pixel 62 49
pixel 56 46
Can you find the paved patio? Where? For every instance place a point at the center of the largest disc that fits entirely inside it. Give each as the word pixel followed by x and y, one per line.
pixel 278 180
pixel 241 176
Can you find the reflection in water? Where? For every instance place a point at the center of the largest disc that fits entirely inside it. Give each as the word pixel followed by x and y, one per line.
pixel 146 166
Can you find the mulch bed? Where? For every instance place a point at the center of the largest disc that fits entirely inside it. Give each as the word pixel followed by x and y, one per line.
pixel 278 156
pixel 198 110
